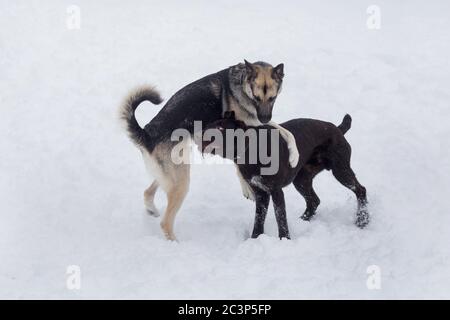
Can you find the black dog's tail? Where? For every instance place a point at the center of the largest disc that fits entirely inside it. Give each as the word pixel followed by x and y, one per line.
pixel 346 124
pixel 135 132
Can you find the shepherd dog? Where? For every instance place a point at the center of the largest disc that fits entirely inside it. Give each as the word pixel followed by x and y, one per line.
pixel 248 89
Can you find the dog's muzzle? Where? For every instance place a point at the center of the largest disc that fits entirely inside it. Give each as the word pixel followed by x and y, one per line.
pixel 264 118
pixel 265 112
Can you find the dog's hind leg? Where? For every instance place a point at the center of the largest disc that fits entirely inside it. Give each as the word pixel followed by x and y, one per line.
pixel 345 175
pixel 176 192
pixel 303 184
pixel 149 197
pixel 172 178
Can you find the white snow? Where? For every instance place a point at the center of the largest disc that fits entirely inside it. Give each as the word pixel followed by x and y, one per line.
pixel 72 183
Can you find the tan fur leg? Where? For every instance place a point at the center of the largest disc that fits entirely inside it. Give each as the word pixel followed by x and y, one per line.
pixel 175 197
pixel 172 178
pixel 149 196
pixel 247 191
pixel 292 145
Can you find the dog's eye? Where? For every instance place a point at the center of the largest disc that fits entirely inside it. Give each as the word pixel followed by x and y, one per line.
pixel 258 98
pixel 271 99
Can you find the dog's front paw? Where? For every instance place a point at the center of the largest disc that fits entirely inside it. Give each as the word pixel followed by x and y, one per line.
pixel 307 215
pixel 294 156
pixel 248 194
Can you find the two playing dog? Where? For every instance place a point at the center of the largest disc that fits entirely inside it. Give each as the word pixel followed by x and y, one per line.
pixel 247 91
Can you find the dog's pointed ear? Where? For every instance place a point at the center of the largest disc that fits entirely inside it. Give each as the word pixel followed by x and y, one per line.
pixel 241 125
pixel 229 115
pixel 249 68
pixel 278 71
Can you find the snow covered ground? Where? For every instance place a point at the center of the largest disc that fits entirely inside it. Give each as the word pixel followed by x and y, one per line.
pixel 71 182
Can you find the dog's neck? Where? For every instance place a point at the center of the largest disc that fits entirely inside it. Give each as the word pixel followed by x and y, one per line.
pixel 238 101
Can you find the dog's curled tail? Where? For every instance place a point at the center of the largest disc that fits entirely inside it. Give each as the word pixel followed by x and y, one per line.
pixel 126 112
pixel 345 124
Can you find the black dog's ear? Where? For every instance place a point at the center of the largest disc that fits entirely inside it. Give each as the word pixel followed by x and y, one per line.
pixel 241 125
pixel 229 115
pixel 278 71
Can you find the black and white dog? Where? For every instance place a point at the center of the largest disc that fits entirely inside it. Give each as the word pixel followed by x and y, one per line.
pixel 249 90
pixel 322 146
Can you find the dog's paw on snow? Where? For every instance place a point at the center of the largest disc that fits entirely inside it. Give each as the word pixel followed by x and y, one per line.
pixel 151 210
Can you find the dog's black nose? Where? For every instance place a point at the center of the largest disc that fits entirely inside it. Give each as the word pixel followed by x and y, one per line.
pixel 264 118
